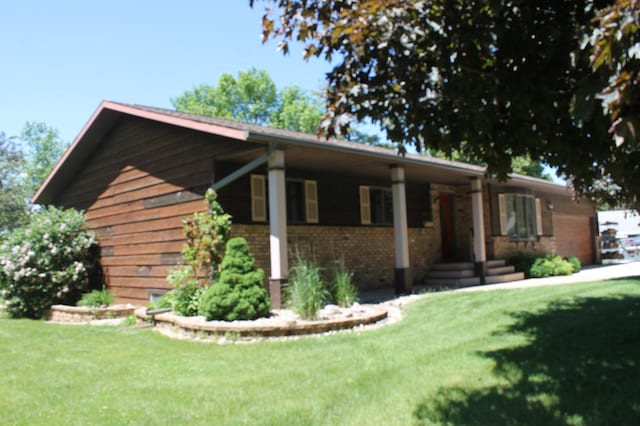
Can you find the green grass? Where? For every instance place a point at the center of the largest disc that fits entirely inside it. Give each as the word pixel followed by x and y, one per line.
pixel 552 356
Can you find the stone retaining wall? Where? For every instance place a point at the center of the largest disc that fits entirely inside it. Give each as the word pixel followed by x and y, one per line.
pixel 81 314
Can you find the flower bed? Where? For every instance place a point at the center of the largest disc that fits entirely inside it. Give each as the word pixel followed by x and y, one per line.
pixel 81 314
pixel 281 323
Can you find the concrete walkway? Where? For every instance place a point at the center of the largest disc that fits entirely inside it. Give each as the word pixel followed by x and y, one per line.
pixel 587 274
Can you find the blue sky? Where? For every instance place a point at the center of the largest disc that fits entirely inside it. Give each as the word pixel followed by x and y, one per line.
pixel 60 59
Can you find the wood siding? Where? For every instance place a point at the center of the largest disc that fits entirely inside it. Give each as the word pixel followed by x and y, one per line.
pixel 136 190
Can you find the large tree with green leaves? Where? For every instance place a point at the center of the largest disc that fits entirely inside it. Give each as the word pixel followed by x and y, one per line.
pixel 252 97
pixel 13 206
pixel 44 149
pixel 490 79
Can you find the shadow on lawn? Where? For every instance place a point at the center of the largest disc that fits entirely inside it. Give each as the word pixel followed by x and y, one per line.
pixel 580 365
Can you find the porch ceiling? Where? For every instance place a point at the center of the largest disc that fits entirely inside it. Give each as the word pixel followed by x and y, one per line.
pixel 332 162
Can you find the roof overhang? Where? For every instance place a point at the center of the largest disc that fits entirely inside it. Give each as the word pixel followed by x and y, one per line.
pixel 97 128
pixel 303 150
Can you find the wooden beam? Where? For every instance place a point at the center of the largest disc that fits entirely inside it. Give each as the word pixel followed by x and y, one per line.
pixel 241 171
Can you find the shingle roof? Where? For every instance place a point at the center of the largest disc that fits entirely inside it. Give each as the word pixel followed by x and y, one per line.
pixel 109 112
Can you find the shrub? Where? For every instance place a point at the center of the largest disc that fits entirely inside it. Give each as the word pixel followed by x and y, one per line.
pixel 523 261
pixel 306 293
pixel 550 265
pixel 343 291
pixel 96 299
pixel 575 263
pixel 206 234
pixel 238 293
pixel 184 299
pixel 46 262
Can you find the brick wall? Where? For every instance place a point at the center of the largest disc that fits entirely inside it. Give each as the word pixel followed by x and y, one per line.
pixel 368 252
pixel 502 247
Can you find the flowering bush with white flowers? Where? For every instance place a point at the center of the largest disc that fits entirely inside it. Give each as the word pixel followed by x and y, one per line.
pixel 46 262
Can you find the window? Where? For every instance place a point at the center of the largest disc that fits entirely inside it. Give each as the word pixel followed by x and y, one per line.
pixel 302 201
pixel 376 206
pixel 295 201
pixel 258 199
pixel 520 218
pixel 301 196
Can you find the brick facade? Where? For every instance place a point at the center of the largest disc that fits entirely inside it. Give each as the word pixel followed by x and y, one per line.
pixel 368 252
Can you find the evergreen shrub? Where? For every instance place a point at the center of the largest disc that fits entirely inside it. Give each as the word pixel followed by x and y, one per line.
pixel 238 293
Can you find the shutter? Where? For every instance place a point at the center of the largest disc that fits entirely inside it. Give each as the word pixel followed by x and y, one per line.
pixel 502 208
pixel 365 205
pixel 538 217
pixel 311 201
pixel 258 199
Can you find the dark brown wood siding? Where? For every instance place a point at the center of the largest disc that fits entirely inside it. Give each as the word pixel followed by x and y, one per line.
pixel 136 189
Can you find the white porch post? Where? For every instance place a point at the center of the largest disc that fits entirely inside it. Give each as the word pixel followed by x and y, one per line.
pixel 277 226
pixel 403 279
pixel 479 249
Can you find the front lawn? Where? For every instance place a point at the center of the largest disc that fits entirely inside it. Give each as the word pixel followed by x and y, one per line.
pixel 551 355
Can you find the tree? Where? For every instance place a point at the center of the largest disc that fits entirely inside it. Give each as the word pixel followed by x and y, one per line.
pixel 253 97
pixel 523 165
pixel 615 47
pixel 297 111
pixel 13 206
pixel 503 78
pixel 44 149
pixel 250 98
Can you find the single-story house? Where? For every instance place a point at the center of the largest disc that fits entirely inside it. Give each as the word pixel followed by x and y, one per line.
pixel 138 171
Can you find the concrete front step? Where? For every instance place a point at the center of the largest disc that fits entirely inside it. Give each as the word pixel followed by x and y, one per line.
pixel 453 273
pixel 452 282
pixel 504 278
pixel 501 270
pixel 496 263
pixel 452 266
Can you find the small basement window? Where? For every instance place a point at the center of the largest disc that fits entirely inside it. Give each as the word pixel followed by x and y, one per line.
pixel 155 295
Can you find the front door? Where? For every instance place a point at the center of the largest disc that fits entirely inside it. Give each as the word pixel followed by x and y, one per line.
pixel 447 226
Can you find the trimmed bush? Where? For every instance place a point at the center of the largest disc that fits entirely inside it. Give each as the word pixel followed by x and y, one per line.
pixel 523 261
pixel 238 293
pixel 307 292
pixel 549 266
pixel 96 299
pixel 575 263
pixel 46 262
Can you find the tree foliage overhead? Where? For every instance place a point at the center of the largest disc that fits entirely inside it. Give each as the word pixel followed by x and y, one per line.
pixel 252 97
pixel 615 46
pixel 492 80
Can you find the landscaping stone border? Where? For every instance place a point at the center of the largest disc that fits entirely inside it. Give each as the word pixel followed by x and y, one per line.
pixel 198 326
pixel 82 314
